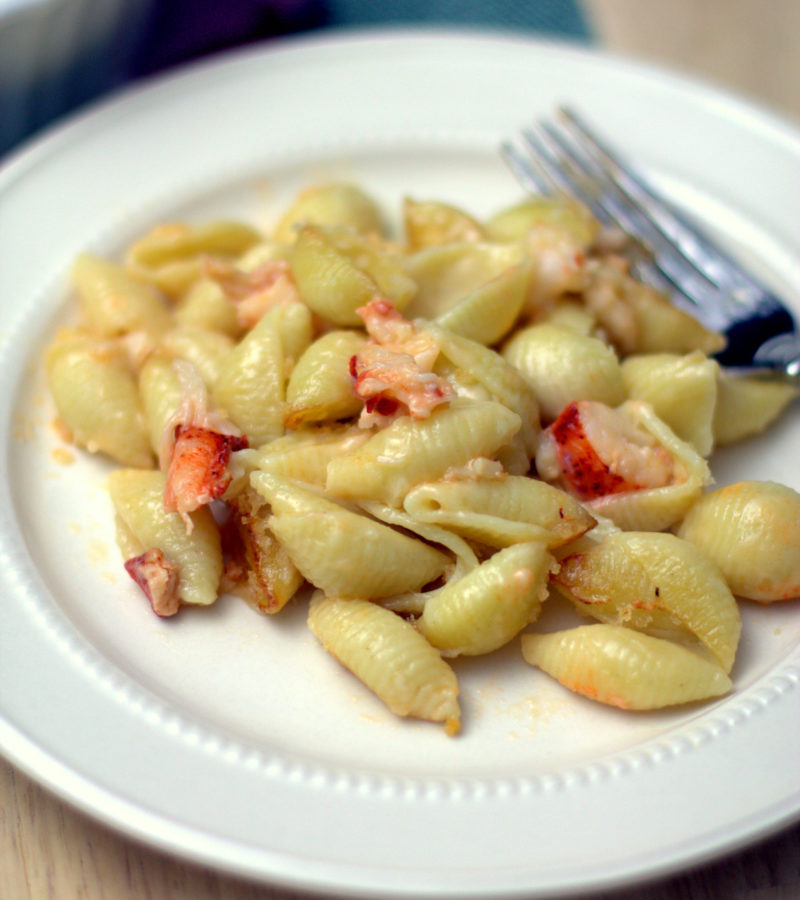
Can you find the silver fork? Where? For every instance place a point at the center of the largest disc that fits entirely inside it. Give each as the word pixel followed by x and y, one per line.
pixel 676 256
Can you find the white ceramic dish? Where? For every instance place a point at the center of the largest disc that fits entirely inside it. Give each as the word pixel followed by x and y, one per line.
pixel 232 739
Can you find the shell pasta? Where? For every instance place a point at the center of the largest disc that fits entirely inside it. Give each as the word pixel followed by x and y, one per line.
pixel 430 435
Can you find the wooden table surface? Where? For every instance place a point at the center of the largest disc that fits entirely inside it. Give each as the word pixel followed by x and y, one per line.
pixel 49 850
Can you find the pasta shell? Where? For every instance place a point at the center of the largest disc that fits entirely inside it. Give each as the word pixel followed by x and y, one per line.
pixel 344 553
pixel 205 350
pixel 411 603
pixel 260 254
pixel 320 387
pixel 488 314
pixel 337 272
pixel 304 455
pixel 570 314
pixel 409 451
pixel 515 222
pixel 172 256
pixel 430 224
pixel 489 605
pixel 682 391
pixel 751 530
pixel 474 363
pixel 500 511
pixel 464 555
pixel 747 406
pixel 447 274
pixel 97 399
pixel 657 583
pixel 390 657
pixel 328 205
pixel 624 668
pixel 294 323
pixel 114 302
pixel 265 576
pixel 664 328
pixel 138 497
pixel 161 392
pixel 250 385
pixel 561 365
pixel 205 305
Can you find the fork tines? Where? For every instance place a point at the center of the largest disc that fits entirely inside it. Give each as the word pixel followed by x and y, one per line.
pixel 566 155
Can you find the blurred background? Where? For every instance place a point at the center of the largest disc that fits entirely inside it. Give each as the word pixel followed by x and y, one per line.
pixel 58 55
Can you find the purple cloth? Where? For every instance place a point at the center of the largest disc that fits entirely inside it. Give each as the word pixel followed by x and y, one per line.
pixel 181 30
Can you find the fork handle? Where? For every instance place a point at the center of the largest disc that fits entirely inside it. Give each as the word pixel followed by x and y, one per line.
pixel 782 355
pixel 769 322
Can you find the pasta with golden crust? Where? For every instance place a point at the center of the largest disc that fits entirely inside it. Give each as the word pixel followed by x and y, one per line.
pixel 341 551
pixel 625 668
pixel 430 437
pixel 657 583
pixel 751 530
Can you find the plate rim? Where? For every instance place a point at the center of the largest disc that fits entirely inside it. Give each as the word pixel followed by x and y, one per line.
pixel 48 143
pixel 713 92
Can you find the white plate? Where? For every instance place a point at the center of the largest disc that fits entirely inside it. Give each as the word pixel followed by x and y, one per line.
pixel 231 738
